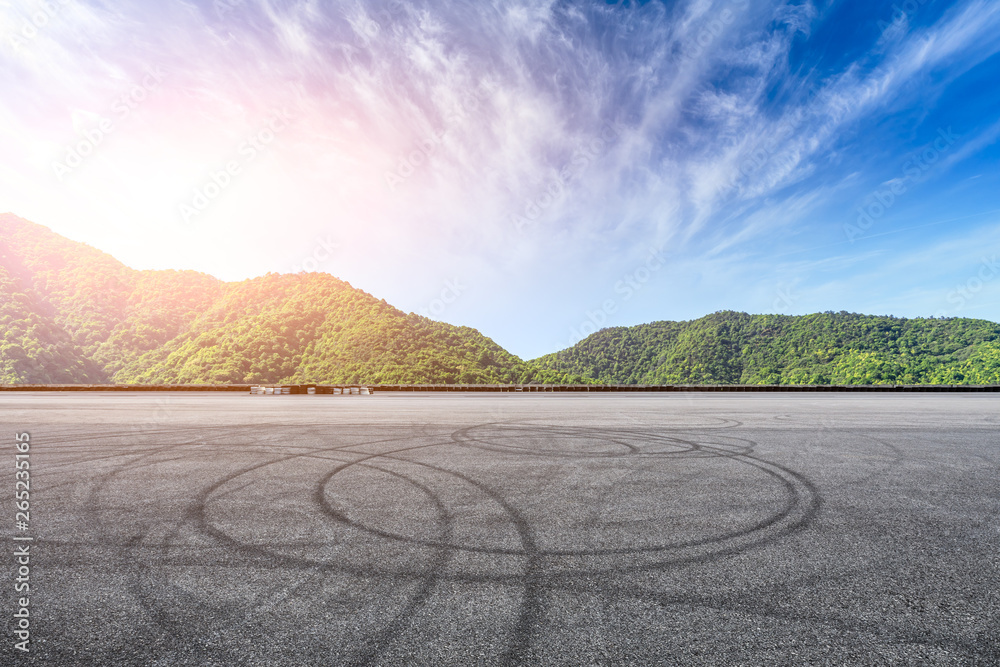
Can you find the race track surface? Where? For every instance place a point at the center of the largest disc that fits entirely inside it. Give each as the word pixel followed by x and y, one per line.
pixel 213 529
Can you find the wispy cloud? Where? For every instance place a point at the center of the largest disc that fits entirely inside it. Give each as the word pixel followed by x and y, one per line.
pixel 424 127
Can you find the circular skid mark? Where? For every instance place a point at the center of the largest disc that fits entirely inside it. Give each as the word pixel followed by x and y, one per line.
pixel 414 588
pixel 418 549
pixel 658 422
pixel 577 442
pixel 792 502
pixel 412 567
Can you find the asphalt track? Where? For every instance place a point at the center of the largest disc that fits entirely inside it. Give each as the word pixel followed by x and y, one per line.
pixel 212 529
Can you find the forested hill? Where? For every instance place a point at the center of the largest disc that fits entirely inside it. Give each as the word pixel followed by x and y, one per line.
pixel 827 348
pixel 70 313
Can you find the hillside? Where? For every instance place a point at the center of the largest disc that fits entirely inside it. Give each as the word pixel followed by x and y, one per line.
pixel 827 348
pixel 33 348
pixel 71 313
pixel 316 328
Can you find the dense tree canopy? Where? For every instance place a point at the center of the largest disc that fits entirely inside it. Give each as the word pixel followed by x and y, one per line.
pixel 33 348
pixel 70 313
pixel 74 314
pixel 825 348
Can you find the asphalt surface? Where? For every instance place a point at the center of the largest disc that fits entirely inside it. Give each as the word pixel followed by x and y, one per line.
pixel 212 529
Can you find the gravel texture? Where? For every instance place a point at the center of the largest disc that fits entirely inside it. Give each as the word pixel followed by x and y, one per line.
pixel 723 529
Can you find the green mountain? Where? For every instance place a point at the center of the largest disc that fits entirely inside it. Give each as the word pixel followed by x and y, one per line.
pixel 33 347
pixel 70 313
pixel 827 348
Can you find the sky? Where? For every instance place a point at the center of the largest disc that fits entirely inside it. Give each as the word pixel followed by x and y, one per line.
pixel 537 170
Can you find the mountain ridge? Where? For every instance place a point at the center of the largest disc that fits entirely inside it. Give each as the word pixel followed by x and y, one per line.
pixel 70 313
pixel 729 347
pixel 75 314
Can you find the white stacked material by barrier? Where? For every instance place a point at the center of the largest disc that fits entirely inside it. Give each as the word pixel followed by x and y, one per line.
pixel 261 390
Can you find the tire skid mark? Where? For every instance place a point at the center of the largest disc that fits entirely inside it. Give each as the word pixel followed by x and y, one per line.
pixel 750 603
pixel 786 478
pixel 151 597
pixel 531 605
pixel 160 616
pixel 376 644
pixel 428 579
pixel 540 573
pixel 694 449
pixel 529 610
pixel 534 581
pixel 127 552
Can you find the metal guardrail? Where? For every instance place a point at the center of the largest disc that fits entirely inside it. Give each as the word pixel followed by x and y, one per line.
pixel 588 388
pixel 362 389
pixel 125 387
pixel 596 388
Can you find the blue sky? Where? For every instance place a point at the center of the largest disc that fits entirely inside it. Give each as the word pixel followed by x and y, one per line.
pixel 536 170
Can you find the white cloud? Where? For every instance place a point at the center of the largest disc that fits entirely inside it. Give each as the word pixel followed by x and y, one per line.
pixel 718 147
